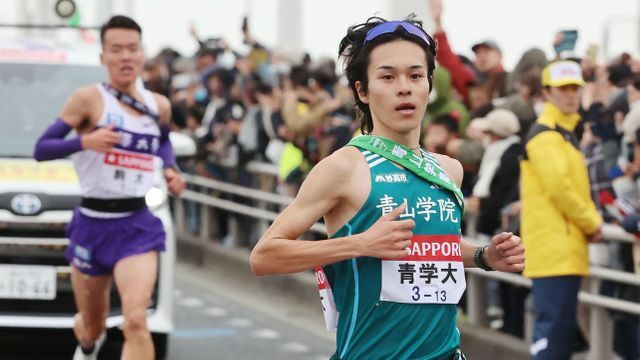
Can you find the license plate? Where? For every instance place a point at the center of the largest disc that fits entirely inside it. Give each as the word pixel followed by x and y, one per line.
pixel 27 282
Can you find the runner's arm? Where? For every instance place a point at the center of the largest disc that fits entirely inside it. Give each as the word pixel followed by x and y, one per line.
pixel 278 251
pixel 468 252
pixel 52 143
pixel 505 251
pixel 175 182
pixel 165 151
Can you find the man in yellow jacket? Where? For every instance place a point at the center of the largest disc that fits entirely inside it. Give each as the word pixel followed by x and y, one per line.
pixel 559 217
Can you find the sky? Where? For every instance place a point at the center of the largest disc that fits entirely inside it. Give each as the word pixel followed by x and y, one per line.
pixel 515 25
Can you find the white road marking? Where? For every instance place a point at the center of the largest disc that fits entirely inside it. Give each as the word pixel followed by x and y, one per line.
pixel 266 334
pixel 295 347
pixel 240 322
pixel 191 302
pixel 215 311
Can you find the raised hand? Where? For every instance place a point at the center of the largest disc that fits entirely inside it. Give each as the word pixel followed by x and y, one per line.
pixel 505 253
pixel 435 10
pixel 388 238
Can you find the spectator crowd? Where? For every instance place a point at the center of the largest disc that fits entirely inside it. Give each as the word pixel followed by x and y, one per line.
pixel 292 111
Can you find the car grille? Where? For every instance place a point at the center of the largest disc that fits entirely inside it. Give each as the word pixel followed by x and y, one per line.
pixel 47 202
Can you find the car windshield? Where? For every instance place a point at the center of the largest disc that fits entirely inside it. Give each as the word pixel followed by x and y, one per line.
pixel 33 96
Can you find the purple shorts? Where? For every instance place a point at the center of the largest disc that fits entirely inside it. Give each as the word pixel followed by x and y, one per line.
pixel 96 244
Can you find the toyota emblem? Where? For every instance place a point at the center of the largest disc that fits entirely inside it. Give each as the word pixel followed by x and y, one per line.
pixel 26 204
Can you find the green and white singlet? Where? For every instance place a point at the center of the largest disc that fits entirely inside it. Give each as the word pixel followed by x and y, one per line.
pixel 403 308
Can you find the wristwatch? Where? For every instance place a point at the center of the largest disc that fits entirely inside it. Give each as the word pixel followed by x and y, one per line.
pixel 478 258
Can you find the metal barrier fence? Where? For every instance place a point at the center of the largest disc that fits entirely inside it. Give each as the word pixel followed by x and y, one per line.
pixel 262 205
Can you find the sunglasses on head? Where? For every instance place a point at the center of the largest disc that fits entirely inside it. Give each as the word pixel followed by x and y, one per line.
pixel 391 26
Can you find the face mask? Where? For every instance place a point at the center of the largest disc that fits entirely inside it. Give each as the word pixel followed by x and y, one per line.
pixel 200 94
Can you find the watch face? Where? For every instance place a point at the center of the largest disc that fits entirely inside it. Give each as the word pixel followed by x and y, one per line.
pixel 65 8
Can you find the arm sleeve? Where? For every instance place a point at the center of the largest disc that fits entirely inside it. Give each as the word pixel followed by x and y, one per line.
pixel 52 144
pixel 165 150
pixel 548 161
pixel 461 76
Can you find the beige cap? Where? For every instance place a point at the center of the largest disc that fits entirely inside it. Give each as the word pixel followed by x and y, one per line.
pixel 500 122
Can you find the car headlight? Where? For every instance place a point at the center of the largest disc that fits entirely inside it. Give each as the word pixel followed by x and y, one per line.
pixel 155 198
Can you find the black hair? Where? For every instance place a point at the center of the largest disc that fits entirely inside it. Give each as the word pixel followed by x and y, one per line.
pixel 227 77
pixel 620 74
pixel 300 76
pixel 356 56
pixel 324 74
pixel 449 122
pixel 196 112
pixel 119 22
pixel 264 89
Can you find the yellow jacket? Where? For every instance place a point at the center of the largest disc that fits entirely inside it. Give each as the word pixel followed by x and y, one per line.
pixel 557 210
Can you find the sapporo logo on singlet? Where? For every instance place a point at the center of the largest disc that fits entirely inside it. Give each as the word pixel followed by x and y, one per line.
pixel 130 161
pixel 391 178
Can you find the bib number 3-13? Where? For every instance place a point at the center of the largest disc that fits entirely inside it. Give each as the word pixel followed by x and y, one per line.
pixel 433 272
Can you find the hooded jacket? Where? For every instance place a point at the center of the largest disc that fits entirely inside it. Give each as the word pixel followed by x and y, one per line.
pixel 462 75
pixel 444 102
pixel 557 210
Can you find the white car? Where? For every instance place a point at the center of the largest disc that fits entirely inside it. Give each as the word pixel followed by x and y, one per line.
pixel 36 199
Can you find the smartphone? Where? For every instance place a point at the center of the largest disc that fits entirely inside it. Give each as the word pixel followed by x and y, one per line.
pixel 568 43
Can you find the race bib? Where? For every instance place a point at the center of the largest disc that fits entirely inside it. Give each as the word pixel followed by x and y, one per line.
pixel 431 273
pixel 127 173
pixel 329 309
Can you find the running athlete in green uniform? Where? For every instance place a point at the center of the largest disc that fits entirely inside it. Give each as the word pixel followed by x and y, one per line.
pixel 392 272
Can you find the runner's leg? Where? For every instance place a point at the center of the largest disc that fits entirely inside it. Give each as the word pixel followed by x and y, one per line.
pixel 91 295
pixel 135 277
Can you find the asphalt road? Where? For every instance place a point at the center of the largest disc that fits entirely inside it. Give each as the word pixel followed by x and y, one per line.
pixel 216 320
pixel 216 317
